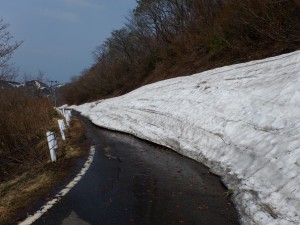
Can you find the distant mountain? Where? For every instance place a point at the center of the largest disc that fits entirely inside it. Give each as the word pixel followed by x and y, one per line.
pixel 33 87
pixel 37 87
pixel 7 84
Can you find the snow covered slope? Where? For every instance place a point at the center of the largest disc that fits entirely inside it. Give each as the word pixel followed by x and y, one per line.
pixel 243 121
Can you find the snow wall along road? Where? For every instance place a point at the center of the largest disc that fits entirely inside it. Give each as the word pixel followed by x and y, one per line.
pixel 243 121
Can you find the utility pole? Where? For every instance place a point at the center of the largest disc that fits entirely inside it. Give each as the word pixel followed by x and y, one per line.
pixel 53 86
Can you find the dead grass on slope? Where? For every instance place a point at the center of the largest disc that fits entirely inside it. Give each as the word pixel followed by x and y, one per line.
pixel 23 192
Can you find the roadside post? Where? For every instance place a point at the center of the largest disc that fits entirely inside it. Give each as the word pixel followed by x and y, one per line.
pixel 62 128
pixel 52 144
pixel 68 114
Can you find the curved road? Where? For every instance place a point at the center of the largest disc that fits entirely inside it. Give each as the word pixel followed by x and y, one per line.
pixel 135 182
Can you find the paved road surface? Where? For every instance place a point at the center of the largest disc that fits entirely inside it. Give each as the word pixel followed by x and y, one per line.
pixel 135 182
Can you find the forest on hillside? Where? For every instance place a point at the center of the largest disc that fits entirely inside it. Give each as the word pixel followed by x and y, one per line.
pixel 168 38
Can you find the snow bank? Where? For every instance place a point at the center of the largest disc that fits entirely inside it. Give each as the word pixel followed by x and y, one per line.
pixel 243 121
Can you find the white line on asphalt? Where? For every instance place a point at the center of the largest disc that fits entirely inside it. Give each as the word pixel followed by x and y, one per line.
pixel 32 218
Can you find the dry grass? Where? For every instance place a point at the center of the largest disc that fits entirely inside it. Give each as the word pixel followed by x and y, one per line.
pixel 24 120
pixel 20 194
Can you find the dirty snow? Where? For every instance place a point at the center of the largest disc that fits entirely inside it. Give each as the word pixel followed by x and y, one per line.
pixel 243 121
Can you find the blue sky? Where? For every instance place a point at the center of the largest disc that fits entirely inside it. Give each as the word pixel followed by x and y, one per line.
pixel 60 35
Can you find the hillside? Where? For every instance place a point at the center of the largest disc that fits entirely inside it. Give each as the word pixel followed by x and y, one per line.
pixel 165 39
pixel 34 87
pixel 241 120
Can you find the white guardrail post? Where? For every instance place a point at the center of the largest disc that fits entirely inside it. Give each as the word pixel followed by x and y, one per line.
pixel 51 138
pixel 62 128
pixel 67 113
pixel 52 144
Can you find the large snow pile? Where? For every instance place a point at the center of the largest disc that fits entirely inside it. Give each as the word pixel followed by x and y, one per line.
pixel 243 121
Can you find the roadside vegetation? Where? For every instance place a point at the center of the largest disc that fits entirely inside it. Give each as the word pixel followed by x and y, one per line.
pixel 7 48
pixel 27 174
pixel 33 179
pixel 168 38
pixel 24 121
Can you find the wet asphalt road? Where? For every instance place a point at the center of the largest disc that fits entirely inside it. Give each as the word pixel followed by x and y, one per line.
pixel 135 182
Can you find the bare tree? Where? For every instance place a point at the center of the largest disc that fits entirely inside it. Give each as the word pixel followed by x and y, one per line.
pixel 27 77
pixel 7 47
pixel 40 76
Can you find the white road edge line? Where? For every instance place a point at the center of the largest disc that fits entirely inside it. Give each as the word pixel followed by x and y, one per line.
pixel 32 218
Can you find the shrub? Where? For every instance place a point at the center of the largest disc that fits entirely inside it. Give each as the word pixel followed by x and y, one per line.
pixel 24 121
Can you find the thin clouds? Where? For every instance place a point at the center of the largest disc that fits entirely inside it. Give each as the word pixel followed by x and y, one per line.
pixel 84 3
pixel 59 15
pixel 66 14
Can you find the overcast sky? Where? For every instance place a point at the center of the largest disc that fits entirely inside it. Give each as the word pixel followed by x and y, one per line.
pixel 60 35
